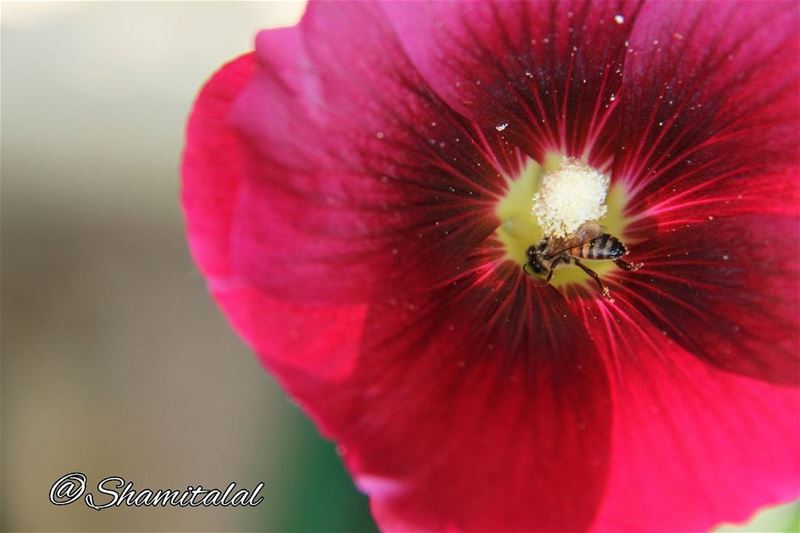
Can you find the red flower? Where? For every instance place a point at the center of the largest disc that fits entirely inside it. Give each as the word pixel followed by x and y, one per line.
pixel 356 196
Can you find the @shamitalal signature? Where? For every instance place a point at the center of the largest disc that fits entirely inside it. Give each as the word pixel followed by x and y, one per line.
pixel 115 491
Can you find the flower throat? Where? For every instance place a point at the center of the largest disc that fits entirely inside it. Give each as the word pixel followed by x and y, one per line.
pixel 555 199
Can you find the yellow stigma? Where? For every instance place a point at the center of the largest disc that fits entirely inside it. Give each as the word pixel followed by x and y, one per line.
pixel 570 196
pixel 554 198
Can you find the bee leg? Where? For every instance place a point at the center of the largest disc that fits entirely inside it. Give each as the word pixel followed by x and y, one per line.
pixel 525 269
pixel 551 270
pixel 596 277
pixel 630 267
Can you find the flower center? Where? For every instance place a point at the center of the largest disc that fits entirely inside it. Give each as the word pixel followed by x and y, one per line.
pixel 568 197
pixel 553 199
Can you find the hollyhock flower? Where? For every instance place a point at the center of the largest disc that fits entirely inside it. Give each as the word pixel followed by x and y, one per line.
pixel 362 190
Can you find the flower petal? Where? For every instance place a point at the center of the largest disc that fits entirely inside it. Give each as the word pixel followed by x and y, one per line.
pixel 356 173
pixel 693 446
pixel 709 118
pixel 213 171
pixel 452 427
pixel 692 105
pixel 726 291
pixel 548 70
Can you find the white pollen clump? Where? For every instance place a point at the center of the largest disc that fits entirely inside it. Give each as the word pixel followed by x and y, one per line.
pixel 570 196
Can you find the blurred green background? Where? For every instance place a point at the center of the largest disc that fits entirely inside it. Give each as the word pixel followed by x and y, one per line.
pixel 114 359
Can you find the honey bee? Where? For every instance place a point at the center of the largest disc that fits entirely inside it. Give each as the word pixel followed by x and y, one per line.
pixel 589 241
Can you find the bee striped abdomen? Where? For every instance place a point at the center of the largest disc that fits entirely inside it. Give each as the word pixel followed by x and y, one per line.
pixel 607 247
pixel 603 247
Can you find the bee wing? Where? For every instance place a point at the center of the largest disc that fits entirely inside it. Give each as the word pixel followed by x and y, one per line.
pixel 585 233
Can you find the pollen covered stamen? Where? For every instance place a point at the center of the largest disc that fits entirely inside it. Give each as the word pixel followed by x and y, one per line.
pixel 574 194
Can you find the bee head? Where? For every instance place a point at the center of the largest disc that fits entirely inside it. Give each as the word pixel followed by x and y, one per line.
pixel 534 254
